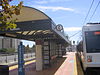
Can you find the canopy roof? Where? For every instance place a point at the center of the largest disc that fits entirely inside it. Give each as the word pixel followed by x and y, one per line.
pixel 33 24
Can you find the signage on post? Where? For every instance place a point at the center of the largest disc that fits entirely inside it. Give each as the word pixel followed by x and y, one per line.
pixel 21 69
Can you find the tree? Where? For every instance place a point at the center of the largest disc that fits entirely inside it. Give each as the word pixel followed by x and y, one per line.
pixel 33 48
pixel 6 14
pixel 3 50
pixel 7 50
pixel 10 50
pixel 27 49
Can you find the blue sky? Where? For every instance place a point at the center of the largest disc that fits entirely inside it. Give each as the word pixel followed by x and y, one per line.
pixel 69 13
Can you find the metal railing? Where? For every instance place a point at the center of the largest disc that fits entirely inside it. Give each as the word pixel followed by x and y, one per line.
pixel 13 58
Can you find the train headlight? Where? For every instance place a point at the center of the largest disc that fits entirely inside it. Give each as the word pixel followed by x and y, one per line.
pixel 89 58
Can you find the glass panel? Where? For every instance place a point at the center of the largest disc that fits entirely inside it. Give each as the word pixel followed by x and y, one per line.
pixel 46 48
pixel 46 43
pixel 92 42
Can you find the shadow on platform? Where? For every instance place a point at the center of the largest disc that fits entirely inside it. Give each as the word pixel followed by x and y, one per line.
pixel 30 69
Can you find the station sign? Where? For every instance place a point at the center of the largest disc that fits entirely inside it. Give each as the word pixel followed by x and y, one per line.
pixel 59 27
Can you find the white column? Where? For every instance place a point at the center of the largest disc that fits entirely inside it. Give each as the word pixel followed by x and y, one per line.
pixel 39 59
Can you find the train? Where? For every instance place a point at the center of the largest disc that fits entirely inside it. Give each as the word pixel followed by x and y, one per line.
pixel 88 49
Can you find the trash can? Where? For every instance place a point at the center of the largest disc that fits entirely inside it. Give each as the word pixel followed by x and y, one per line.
pixel 4 70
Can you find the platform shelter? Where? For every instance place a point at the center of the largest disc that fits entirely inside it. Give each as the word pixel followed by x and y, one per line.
pixel 34 25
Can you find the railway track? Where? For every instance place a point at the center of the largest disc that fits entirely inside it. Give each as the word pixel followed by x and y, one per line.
pixel 92 71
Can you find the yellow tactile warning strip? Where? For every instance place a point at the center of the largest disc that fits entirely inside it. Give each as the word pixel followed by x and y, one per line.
pixel 13 67
pixel 16 66
pixel 75 65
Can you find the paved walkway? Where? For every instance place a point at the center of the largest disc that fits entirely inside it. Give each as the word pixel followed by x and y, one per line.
pixel 67 68
pixel 64 66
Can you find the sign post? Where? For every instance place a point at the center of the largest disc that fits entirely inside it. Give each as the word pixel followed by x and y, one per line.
pixel 21 69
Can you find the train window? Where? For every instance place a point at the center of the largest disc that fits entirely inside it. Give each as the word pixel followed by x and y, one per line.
pixel 92 42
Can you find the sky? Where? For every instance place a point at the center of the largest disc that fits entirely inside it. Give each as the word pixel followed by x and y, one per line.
pixel 69 13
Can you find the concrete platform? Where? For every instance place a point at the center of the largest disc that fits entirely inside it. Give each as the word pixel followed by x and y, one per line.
pixel 68 65
pixel 67 68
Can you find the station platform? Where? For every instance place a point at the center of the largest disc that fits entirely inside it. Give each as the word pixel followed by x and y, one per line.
pixel 67 65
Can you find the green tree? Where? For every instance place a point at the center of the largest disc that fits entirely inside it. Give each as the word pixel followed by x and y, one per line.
pixel 6 14
pixel 27 49
pixel 33 48
pixel 10 50
pixel 7 50
pixel 3 50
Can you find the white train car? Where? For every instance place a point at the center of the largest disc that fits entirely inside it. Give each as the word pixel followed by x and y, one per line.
pixel 91 45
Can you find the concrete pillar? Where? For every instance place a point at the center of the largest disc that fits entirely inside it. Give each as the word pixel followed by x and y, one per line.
pixel 39 59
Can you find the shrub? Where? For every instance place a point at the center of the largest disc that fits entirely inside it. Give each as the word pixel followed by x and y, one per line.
pixel 7 50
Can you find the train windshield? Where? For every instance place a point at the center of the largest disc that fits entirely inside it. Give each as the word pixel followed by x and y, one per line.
pixel 92 41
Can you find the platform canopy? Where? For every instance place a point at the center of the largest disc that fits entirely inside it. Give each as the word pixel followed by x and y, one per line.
pixel 33 24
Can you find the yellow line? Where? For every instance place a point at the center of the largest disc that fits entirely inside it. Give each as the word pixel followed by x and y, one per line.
pixel 16 66
pixel 75 66
pixel 13 67
pixel 30 62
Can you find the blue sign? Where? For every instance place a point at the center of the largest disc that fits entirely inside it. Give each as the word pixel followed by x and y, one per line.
pixel 21 68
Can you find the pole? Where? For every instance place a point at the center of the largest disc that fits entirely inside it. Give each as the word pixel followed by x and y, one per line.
pixel 21 69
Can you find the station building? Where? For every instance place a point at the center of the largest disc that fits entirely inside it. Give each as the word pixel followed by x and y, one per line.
pixel 6 42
